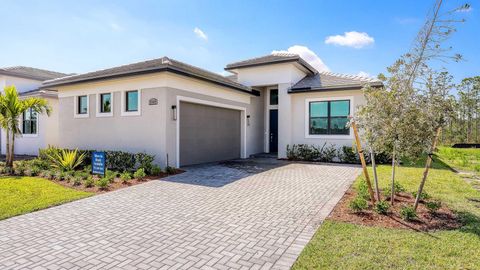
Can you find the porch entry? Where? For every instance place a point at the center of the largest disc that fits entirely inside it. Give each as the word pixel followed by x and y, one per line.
pixel 273 139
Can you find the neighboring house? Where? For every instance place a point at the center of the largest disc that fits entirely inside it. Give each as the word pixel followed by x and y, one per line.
pixel 170 109
pixel 38 131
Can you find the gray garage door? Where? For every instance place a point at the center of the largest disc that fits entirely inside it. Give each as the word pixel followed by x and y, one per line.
pixel 208 134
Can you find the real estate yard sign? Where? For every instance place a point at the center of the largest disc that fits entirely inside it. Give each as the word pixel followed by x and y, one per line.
pixel 98 163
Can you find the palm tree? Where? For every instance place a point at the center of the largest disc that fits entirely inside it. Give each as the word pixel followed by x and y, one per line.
pixel 12 108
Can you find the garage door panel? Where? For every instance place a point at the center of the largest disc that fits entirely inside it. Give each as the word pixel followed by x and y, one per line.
pixel 208 134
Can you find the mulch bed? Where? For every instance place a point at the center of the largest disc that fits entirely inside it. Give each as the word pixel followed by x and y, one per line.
pixel 443 219
pixel 117 184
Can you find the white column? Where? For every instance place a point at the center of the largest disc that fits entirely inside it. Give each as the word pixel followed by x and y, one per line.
pixel 284 119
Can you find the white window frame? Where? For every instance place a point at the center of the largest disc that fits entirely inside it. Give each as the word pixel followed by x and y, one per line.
pixel 124 111
pixel 99 112
pixel 325 136
pixel 31 135
pixel 75 109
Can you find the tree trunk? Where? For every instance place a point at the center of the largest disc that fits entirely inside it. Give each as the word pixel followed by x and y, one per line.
pixel 375 177
pixel 7 151
pixel 12 152
pixel 427 167
pixel 392 196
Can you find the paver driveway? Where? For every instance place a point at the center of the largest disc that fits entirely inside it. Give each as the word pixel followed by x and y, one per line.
pixel 251 215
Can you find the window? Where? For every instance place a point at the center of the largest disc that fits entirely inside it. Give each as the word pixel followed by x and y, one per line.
pixel 274 97
pixel 105 103
pixel 131 101
pixel 329 117
pixel 82 105
pixel 29 122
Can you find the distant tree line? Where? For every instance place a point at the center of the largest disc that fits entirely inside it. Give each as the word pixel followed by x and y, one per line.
pixel 464 125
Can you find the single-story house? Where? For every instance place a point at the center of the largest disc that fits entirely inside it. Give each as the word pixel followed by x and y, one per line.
pixel 38 131
pixel 188 115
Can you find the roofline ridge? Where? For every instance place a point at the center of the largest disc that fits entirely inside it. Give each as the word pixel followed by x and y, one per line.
pixel 349 76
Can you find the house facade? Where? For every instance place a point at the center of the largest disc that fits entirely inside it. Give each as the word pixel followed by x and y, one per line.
pixel 37 130
pixel 185 115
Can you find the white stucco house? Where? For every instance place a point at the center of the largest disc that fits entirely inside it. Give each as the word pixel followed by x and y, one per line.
pixel 189 115
pixel 38 131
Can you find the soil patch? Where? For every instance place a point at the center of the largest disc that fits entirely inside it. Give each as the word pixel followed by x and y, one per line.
pixel 443 219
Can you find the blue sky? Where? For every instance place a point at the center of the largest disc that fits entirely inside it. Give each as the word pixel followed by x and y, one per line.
pixel 81 36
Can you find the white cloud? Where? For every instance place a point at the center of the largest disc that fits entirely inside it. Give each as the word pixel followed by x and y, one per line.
pixel 364 74
pixel 307 55
pixel 353 39
pixel 116 27
pixel 200 34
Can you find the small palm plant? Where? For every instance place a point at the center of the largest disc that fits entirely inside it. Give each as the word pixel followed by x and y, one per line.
pixel 66 160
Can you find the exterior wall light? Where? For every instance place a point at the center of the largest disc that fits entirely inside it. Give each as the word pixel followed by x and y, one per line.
pixel 248 120
pixel 174 112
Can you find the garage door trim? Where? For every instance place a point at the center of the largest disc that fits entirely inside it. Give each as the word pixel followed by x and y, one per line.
pixel 243 123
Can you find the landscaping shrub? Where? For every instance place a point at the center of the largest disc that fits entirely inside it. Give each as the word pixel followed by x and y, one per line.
pixel 144 161
pixel 408 213
pixel 358 204
pixel 156 170
pixel 77 181
pixel 103 183
pixel 125 177
pixel 433 206
pixel 170 170
pixel 89 182
pixel 327 153
pixel 423 196
pixel 303 152
pixel 398 187
pixel 110 175
pixel 363 190
pixel 140 174
pixel 66 160
pixel 119 160
pixel 82 174
pixel 382 207
pixel 348 155
pixel 58 175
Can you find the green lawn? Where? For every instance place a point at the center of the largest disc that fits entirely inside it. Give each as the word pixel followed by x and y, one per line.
pixel 461 158
pixel 20 195
pixel 339 245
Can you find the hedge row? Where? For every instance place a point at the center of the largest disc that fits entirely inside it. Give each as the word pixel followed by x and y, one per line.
pixel 115 160
pixel 330 153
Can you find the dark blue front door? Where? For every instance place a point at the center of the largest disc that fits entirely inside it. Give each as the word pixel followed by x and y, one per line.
pixel 273 142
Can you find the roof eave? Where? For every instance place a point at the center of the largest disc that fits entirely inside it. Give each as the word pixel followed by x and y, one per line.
pixel 332 88
pixel 24 76
pixel 148 71
pixel 233 66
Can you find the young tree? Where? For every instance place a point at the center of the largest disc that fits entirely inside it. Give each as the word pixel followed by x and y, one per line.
pixel 12 108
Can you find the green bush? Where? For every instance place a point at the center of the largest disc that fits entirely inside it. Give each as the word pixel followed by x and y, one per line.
pixel 423 196
pixel 348 155
pixel 144 161
pixel 327 153
pixel 156 170
pixel 140 174
pixel 363 190
pixel 408 213
pixel 111 175
pixel 398 187
pixel 382 207
pixel 89 182
pixel 77 181
pixel 303 152
pixel 358 204
pixel 66 160
pixel 82 175
pixel 58 175
pixel 433 206
pixel 103 183
pixel 170 170
pixel 119 160
pixel 125 177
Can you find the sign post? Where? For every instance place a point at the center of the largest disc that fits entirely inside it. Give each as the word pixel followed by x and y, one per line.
pixel 98 163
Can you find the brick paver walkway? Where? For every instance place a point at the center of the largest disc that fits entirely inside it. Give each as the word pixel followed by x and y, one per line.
pixel 252 220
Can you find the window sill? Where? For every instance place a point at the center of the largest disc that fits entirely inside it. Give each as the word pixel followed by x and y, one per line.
pixel 29 135
pixel 110 114
pixel 137 113
pixel 81 115
pixel 329 136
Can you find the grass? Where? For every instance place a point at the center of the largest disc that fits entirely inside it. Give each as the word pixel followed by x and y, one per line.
pixel 339 245
pixel 20 195
pixel 461 158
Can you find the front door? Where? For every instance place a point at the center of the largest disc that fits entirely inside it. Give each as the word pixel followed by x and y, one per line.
pixel 273 139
